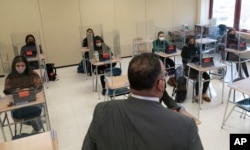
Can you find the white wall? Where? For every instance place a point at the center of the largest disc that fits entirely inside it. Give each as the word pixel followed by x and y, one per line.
pixel 59 22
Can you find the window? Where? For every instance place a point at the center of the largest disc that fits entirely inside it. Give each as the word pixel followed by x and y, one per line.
pixel 223 13
pixel 245 14
pixel 233 13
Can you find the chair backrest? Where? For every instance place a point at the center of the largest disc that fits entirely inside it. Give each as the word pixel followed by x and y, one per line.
pixel 222 29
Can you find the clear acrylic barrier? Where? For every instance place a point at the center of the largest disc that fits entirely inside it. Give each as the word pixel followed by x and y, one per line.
pixel 6 53
pixel 18 40
pixel 98 30
pixel 90 45
pixel 145 34
pixel 179 34
pixel 114 78
pixel 33 52
pixel 145 29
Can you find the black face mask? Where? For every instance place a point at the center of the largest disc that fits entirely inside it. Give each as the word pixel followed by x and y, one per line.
pixel 231 36
pixel 31 44
pixel 191 45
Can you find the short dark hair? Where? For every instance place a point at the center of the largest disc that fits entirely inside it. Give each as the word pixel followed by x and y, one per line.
pixel 29 35
pixel 143 71
pixel 99 39
pixel 160 32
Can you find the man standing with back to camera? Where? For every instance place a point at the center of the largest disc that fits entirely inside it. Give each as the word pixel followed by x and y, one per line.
pixel 141 122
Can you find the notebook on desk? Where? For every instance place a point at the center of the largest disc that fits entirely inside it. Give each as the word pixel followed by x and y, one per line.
pixel 24 96
pixel 205 62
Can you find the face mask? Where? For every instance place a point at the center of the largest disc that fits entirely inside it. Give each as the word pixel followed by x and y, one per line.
pixel 231 35
pixel 99 44
pixel 20 69
pixel 31 43
pixel 161 38
pixel 191 45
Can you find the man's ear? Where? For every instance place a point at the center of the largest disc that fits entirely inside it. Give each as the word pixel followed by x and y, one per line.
pixel 160 86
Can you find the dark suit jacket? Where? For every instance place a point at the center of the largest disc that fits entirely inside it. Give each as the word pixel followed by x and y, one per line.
pixel 136 124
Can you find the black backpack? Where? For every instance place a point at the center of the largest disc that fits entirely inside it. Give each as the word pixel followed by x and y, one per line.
pixel 80 67
pixel 51 71
pixel 180 90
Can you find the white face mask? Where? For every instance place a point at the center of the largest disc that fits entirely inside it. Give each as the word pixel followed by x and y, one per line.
pixel 20 69
pixel 99 44
pixel 161 38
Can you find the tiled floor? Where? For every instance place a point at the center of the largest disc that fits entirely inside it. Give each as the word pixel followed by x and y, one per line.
pixel 71 102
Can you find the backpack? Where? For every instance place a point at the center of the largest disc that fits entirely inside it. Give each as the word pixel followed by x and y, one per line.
pixel 51 71
pixel 180 89
pixel 80 67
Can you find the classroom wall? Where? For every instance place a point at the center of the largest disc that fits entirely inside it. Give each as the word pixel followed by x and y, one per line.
pixel 61 24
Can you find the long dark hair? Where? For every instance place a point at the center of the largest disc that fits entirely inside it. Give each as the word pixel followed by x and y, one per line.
pixel 16 60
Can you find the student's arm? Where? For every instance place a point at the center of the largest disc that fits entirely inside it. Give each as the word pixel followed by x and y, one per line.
pixel 169 102
pixel 8 89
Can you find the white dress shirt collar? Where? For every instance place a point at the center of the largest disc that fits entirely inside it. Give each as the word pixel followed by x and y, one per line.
pixel 155 99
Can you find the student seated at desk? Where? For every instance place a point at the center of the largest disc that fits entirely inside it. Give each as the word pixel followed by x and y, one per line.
pixel 232 38
pixel 188 53
pixel 22 77
pixel 29 50
pixel 99 47
pixel 160 45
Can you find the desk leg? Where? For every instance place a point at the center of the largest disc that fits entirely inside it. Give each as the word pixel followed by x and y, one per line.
pixel 2 130
pixel 223 86
pixel 200 93
pixel 224 116
pixel 47 117
pixel 239 67
pixel 93 78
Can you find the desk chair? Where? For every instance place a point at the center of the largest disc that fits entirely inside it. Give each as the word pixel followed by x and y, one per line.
pixel 244 105
pixel 139 46
pixel 86 64
pixel 194 81
pixel 24 119
pixel 112 93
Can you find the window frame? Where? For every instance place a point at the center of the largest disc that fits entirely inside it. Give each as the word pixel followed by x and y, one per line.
pixel 236 22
